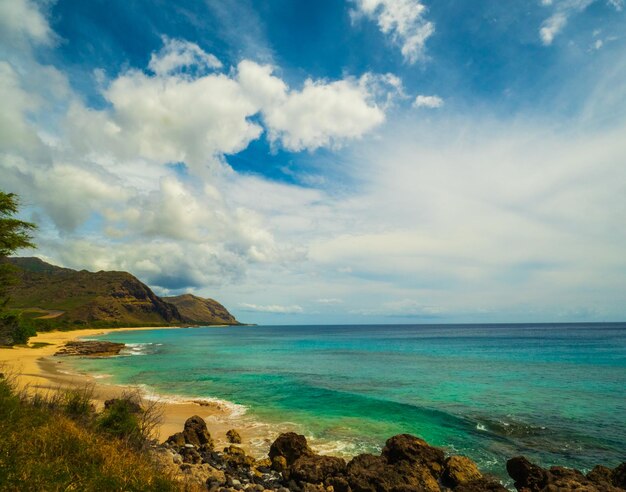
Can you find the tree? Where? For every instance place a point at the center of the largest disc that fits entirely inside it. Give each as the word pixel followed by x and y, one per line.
pixel 14 234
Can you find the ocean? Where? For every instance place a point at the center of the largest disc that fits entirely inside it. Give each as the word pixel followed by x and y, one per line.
pixel 555 393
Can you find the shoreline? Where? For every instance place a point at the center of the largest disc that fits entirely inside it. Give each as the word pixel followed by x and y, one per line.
pixel 37 370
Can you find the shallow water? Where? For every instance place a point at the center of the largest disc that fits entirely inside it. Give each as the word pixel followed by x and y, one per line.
pixel 555 393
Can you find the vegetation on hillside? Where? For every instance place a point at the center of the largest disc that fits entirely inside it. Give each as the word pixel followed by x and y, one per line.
pixel 58 442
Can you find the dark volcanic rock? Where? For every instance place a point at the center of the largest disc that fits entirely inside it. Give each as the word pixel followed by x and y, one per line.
pixel 369 473
pixel 90 348
pixel 526 474
pixel 619 476
pixel 315 468
pixel 481 485
pixel 458 470
pixel 196 433
pixel 291 446
pixel 405 447
pixel 532 478
pixel 233 436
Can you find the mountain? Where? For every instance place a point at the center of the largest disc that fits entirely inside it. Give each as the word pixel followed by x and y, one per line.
pixel 61 297
pixel 199 310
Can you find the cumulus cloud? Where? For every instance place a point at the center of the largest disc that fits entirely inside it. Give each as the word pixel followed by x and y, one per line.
pixel 427 102
pixel 403 20
pixel 272 308
pixel 322 113
pixel 178 54
pixel 109 171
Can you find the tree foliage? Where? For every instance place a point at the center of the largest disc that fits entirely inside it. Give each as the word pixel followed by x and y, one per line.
pixel 15 234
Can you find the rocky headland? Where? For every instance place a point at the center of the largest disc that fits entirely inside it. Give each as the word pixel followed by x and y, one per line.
pixel 407 463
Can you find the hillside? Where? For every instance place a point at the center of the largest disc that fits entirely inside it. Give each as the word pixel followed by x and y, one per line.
pixel 65 297
pixel 195 309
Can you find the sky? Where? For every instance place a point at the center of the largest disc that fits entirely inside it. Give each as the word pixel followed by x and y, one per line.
pixel 358 161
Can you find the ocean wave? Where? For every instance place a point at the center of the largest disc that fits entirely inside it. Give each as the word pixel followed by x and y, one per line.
pixel 233 410
pixel 132 349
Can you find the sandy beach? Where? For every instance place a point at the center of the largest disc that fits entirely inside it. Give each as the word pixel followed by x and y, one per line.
pixel 36 369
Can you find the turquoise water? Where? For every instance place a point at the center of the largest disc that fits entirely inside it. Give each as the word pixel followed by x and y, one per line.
pixel 555 393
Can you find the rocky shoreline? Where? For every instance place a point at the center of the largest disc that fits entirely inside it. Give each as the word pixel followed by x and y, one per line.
pixel 90 348
pixel 407 463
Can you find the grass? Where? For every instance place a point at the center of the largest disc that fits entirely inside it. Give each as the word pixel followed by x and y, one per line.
pixel 57 442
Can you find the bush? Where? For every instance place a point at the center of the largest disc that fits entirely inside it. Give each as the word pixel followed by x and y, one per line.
pixel 14 329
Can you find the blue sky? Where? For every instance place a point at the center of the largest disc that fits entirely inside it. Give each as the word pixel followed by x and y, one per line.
pixel 328 162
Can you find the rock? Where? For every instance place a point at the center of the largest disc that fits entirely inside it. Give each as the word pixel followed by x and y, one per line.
pixel 90 348
pixel 279 464
pixel 369 473
pixel 316 469
pixel 458 470
pixel 177 459
pixel 176 440
pixel 481 485
pixel 236 457
pixel 601 475
pixel 339 484
pixel 233 436
pixel 405 447
pixel 204 474
pixel 532 478
pixel 291 446
pixel 196 433
pixel 619 476
pixel 526 474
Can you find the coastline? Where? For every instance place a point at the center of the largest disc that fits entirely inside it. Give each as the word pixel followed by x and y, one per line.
pixel 37 370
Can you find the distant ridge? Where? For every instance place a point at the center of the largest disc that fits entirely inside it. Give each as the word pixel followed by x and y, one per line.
pixel 68 298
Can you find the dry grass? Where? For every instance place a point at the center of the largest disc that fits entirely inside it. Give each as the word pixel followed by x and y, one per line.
pixel 51 442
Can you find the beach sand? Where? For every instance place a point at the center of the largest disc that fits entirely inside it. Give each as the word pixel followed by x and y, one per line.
pixel 37 370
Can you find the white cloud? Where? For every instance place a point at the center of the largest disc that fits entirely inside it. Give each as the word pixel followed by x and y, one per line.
pixel 22 21
pixel 562 11
pixel 551 27
pixel 272 308
pixel 403 20
pixel 322 113
pixel 178 54
pixel 427 102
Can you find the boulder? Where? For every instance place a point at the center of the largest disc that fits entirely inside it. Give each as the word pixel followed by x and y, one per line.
pixel 526 475
pixel 233 437
pixel 176 440
pixel 196 433
pixel 601 475
pixel 369 473
pixel 619 476
pixel 279 464
pixel 315 468
pixel 532 478
pixel 236 457
pixel 291 446
pixel 405 447
pixel 458 470
pixel 481 485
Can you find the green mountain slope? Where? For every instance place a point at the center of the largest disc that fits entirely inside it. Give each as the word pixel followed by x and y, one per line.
pixel 199 310
pixel 61 297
